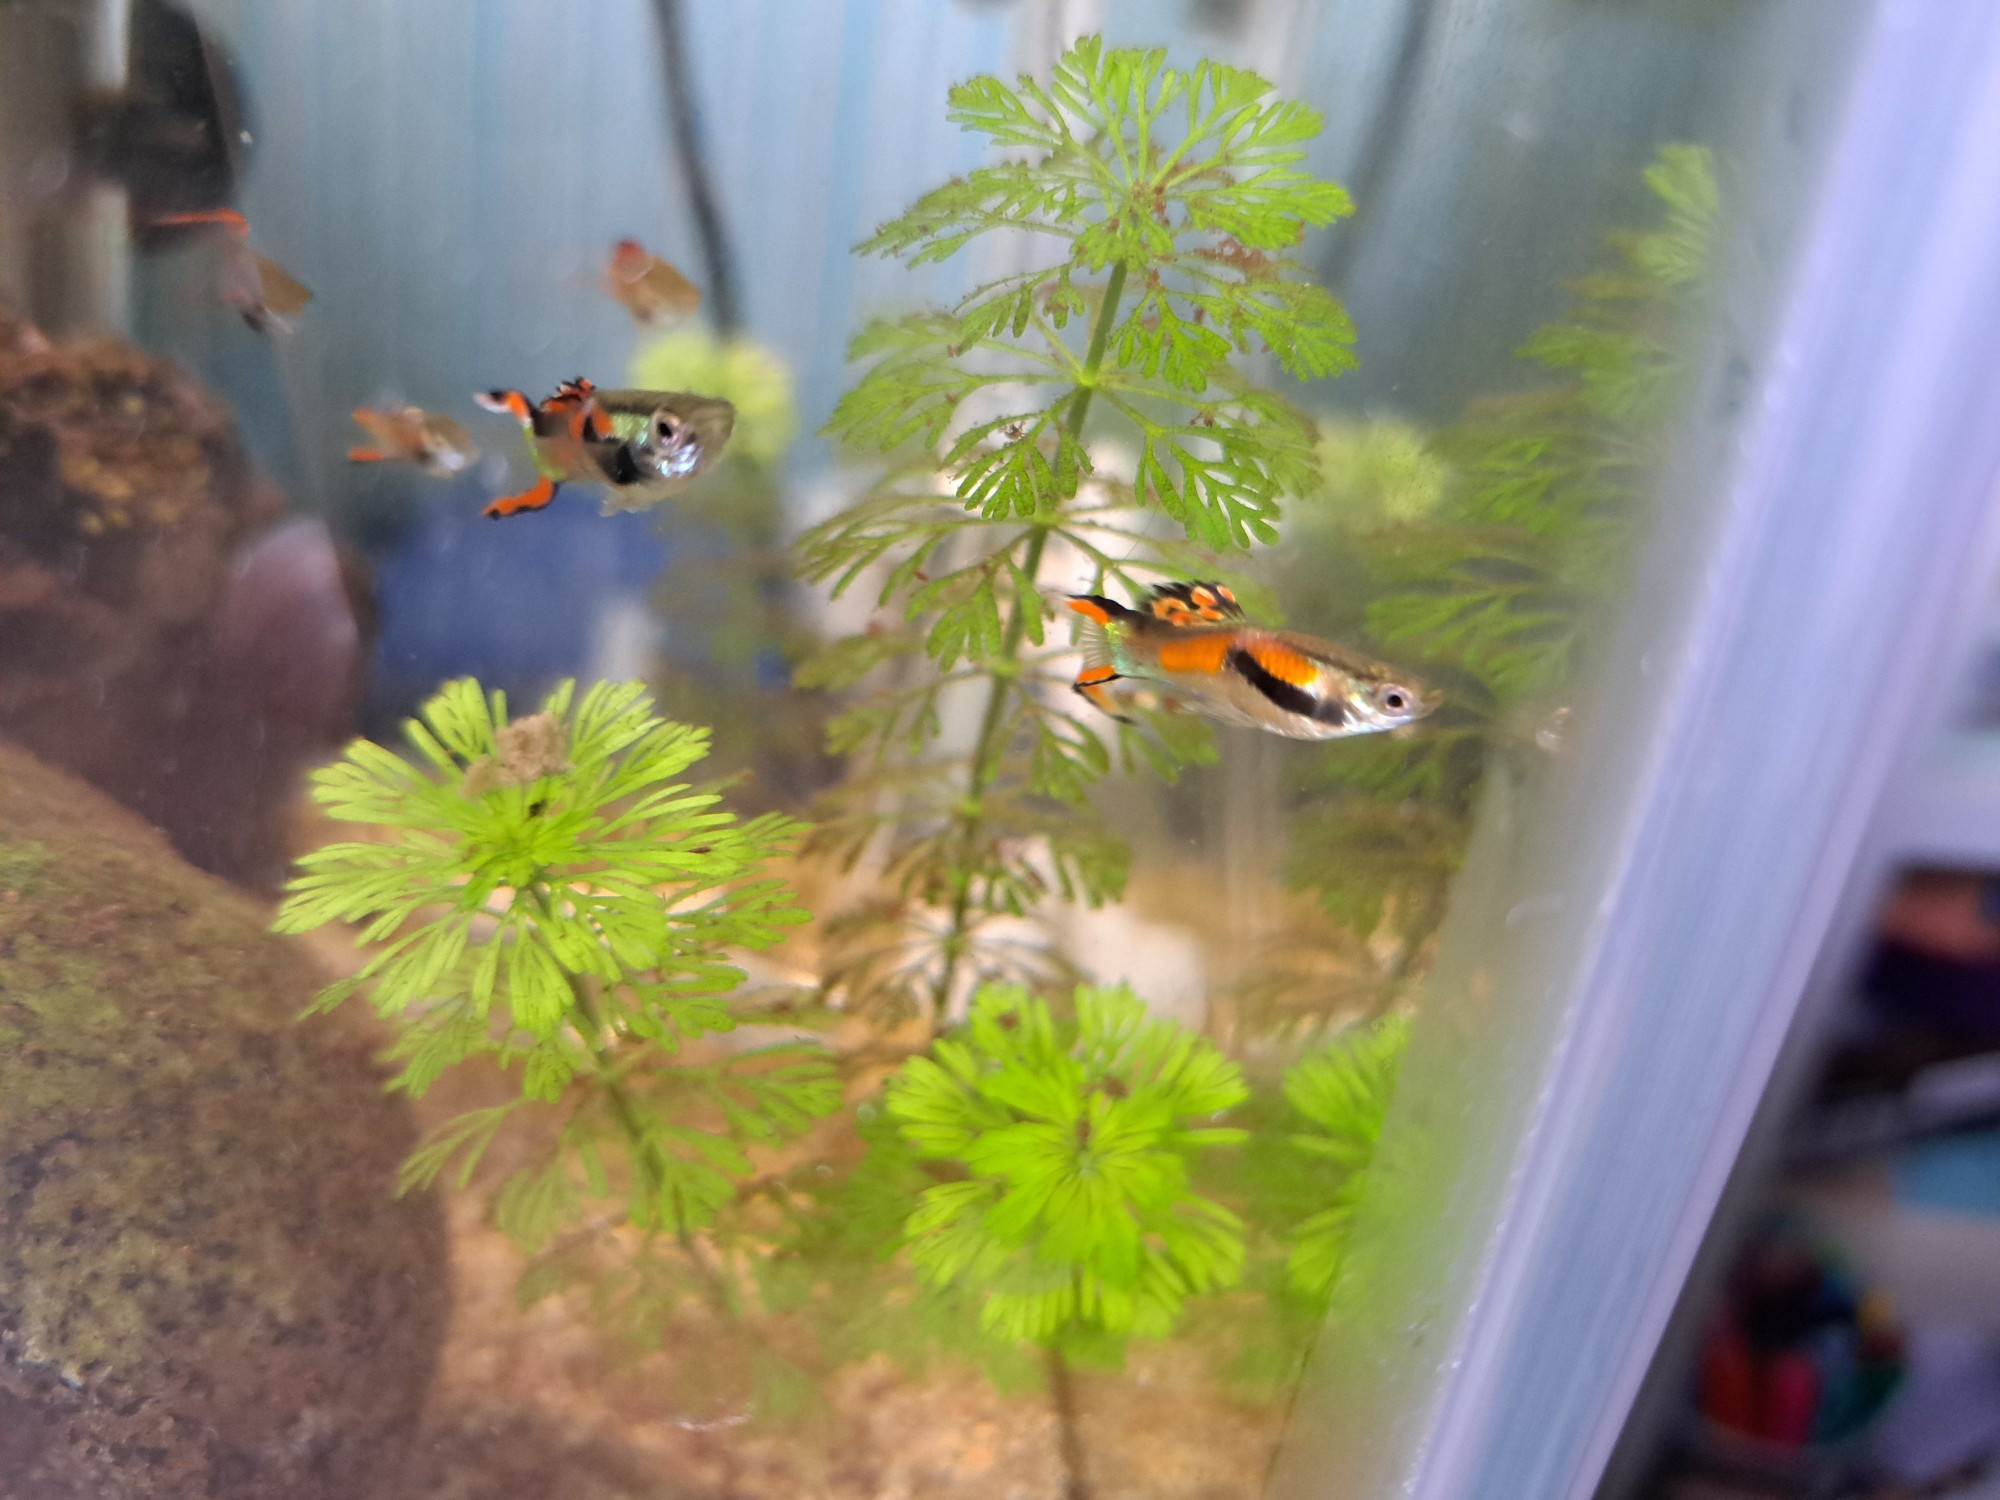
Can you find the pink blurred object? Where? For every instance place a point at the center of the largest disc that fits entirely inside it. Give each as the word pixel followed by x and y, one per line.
pixel 287 627
pixel 1790 1392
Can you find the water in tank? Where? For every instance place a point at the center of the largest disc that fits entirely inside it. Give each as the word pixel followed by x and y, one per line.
pixel 734 735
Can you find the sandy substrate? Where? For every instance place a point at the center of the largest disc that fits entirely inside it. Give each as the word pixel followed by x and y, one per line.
pixel 546 1397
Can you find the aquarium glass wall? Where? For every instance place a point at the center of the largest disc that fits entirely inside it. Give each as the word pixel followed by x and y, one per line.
pixel 738 740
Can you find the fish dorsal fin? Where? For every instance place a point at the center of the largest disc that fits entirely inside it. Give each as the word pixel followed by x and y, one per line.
pixel 1193 603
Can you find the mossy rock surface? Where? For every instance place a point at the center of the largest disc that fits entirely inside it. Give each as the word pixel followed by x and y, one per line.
pixel 206 1285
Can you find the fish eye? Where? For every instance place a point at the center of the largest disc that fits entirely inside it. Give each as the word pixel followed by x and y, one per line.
pixel 670 449
pixel 1395 698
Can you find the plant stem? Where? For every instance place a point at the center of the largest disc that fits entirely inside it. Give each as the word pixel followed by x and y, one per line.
pixel 1093 359
pixel 987 747
pixel 626 1113
pixel 1069 1436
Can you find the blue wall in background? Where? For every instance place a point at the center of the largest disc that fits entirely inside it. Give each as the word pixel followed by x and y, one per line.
pixel 448 175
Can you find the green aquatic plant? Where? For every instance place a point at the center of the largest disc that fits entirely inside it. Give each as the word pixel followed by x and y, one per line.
pixel 1340 1093
pixel 979 1221
pixel 750 377
pixel 1305 1166
pixel 550 895
pixel 1066 1208
pixel 1074 1217
pixel 1167 206
pixel 1491 587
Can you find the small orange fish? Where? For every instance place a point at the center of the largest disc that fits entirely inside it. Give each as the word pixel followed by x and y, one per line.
pixel 260 289
pixel 652 289
pixel 1191 642
pixel 409 434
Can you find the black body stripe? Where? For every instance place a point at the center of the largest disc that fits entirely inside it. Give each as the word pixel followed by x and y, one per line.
pixel 621 468
pixel 1285 695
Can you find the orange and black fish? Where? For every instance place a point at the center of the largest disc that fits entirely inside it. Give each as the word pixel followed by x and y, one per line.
pixel 643 446
pixel 652 289
pixel 1191 643
pixel 263 291
pixel 409 434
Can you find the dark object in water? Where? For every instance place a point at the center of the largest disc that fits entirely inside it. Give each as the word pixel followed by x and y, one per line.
pixel 176 137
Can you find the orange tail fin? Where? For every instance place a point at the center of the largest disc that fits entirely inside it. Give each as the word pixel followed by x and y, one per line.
pixel 1092 683
pixel 534 497
pixel 511 404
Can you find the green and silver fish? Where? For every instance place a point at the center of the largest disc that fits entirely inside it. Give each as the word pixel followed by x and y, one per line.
pixel 643 446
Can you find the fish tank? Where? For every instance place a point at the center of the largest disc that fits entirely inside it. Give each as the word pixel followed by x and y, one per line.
pixel 951 748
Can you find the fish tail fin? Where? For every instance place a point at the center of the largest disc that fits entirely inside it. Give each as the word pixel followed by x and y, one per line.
pixel 534 497
pixel 1093 685
pixel 509 404
pixel 1100 657
pixel 366 456
pixel 1102 617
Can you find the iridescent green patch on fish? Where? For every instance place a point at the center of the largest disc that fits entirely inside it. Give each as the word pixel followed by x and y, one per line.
pixel 1190 642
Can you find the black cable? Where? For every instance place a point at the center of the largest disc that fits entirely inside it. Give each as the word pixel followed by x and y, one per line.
pixel 1384 140
pixel 717 262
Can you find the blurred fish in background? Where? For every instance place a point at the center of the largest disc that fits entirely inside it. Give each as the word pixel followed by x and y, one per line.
pixel 408 434
pixel 262 291
pixel 651 289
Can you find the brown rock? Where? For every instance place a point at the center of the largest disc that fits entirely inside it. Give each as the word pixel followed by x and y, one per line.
pixel 206 1285
pixel 154 637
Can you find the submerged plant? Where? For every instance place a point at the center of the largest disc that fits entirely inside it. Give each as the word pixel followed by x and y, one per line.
pixel 1068 1212
pixel 1074 1219
pixel 1492 585
pixel 1305 1167
pixel 1170 205
pixel 1341 1094
pixel 551 896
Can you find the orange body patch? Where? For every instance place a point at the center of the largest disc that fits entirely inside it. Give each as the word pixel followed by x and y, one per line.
pixel 1201 653
pixel 1090 609
pixel 1283 663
